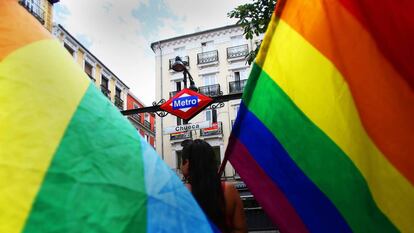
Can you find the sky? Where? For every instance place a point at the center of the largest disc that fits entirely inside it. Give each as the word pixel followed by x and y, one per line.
pixel 119 32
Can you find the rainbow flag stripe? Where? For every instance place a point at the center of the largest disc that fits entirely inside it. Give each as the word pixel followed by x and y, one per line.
pixel 69 161
pixel 324 137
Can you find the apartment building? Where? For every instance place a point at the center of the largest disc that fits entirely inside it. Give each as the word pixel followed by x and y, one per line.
pixel 143 122
pixel 42 10
pixel 111 86
pixel 216 60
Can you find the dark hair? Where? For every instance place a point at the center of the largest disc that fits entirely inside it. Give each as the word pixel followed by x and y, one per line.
pixel 205 181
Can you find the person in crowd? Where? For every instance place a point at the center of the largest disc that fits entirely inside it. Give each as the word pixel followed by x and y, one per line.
pixel 219 200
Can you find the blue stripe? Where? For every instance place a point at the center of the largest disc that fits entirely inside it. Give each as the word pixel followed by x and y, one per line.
pixel 170 206
pixel 316 210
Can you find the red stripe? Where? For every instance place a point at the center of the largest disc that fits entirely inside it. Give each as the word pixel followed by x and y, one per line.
pixel 265 191
pixel 391 24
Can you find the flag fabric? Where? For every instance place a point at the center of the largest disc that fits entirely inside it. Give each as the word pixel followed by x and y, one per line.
pixel 69 161
pixel 324 137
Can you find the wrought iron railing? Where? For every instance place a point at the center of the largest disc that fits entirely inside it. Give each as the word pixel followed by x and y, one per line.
pixel 105 91
pixel 136 117
pixel 184 59
pixel 147 124
pixel 237 51
pixel 237 86
pixel 119 102
pixel 210 90
pixel 215 129
pixel 34 9
pixel 207 57
pixel 180 136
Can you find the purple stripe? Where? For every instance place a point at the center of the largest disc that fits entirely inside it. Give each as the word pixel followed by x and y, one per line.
pixel 264 189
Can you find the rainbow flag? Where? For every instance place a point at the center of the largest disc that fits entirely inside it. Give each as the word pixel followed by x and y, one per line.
pixel 324 137
pixel 69 161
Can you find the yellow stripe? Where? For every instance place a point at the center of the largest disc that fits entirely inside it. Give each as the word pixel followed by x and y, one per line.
pixel 40 90
pixel 320 91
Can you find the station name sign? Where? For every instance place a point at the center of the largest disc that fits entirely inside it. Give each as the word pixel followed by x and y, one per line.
pixel 184 128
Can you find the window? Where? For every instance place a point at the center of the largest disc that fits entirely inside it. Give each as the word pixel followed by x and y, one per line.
pixel 207 46
pixel 240 75
pixel 69 49
pixel 146 137
pixel 211 115
pixel 104 82
pixel 147 117
pixel 179 51
pixel 237 40
pixel 135 105
pixel 209 79
pixel 89 69
pixel 237 76
pixel 118 92
pixel 178 86
pixel 179 121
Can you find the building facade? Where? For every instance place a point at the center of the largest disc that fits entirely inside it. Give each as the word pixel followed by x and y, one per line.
pixel 216 61
pixel 143 122
pixel 110 85
pixel 42 10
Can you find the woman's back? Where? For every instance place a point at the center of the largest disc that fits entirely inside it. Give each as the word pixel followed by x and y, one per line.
pixel 234 213
pixel 220 201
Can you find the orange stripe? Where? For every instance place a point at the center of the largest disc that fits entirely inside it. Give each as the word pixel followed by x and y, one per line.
pixel 18 27
pixel 384 101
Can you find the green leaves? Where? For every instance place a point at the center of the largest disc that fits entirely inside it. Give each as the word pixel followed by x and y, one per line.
pixel 253 18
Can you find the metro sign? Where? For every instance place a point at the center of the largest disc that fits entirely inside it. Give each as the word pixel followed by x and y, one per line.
pixel 186 104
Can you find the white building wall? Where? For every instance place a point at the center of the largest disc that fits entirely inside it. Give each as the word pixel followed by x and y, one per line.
pixel 224 73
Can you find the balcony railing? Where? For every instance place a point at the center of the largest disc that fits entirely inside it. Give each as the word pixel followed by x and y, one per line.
pixel 147 124
pixel 106 91
pixel 237 86
pixel 210 90
pixel 119 102
pixel 207 57
pixel 185 59
pixel 34 9
pixel 215 129
pixel 173 93
pixel 180 136
pixel 237 51
pixel 136 117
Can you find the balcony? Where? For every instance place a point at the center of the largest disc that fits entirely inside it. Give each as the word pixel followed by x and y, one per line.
pixel 214 130
pixel 34 9
pixel 173 93
pixel 180 136
pixel 207 57
pixel 136 117
pixel 106 91
pixel 210 90
pixel 147 124
pixel 239 51
pixel 185 59
pixel 119 103
pixel 237 86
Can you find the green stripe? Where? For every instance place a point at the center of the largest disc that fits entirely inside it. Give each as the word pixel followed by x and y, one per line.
pixel 315 153
pixel 95 182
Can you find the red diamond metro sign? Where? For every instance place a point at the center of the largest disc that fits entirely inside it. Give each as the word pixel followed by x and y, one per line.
pixel 186 104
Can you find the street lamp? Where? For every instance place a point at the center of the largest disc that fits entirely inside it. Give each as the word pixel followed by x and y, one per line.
pixel 180 66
